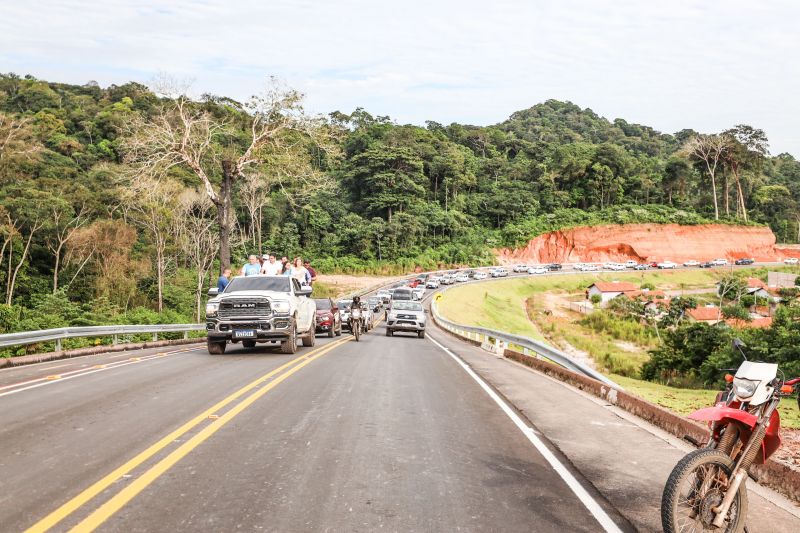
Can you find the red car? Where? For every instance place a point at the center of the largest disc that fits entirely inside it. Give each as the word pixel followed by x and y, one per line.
pixel 328 317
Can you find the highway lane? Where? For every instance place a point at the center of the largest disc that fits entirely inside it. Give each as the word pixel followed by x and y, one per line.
pixel 386 433
pixel 63 436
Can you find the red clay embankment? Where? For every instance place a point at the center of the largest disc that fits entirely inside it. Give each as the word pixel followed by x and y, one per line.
pixel 649 242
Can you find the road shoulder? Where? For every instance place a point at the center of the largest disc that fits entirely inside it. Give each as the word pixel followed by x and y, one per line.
pixel 626 459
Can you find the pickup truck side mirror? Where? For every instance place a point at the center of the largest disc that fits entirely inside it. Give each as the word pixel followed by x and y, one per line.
pixel 304 291
pixel 213 291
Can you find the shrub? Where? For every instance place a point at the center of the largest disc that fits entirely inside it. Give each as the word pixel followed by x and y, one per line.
pixel 596 299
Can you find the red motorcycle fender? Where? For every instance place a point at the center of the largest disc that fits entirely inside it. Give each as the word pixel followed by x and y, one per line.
pixel 721 413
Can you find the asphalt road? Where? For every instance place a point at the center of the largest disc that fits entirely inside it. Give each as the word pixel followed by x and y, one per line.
pixel 386 433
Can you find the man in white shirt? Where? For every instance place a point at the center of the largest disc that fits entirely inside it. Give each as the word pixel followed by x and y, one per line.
pixel 271 267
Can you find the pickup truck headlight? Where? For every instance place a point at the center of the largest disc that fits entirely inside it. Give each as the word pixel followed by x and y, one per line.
pixel 281 307
pixel 744 388
pixel 211 309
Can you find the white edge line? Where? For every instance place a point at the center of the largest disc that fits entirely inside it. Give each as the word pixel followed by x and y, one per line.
pixel 590 503
pixel 91 371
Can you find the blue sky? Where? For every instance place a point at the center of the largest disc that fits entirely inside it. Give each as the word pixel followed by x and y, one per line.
pixel 676 64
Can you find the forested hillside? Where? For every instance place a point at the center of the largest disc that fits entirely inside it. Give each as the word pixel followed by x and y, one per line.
pixel 115 199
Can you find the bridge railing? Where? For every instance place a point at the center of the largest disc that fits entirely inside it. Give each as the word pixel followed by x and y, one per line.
pixel 528 345
pixel 58 334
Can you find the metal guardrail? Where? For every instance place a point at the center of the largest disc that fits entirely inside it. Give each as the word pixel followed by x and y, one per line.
pixel 58 334
pixel 538 348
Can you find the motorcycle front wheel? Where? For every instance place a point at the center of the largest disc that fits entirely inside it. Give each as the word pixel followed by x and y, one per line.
pixel 697 484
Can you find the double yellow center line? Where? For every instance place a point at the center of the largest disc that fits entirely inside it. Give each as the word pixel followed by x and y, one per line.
pixel 105 511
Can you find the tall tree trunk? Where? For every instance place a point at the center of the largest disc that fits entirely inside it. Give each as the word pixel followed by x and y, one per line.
pixel 57 266
pixel 741 197
pixel 727 195
pixel 225 215
pixel 13 279
pixel 160 268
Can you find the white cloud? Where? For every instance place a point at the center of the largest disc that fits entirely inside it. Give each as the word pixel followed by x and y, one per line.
pixel 701 64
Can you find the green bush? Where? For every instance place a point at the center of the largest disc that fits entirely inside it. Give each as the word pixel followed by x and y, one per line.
pixel 596 299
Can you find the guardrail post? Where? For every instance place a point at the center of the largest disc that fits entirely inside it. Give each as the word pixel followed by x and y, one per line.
pixel 155 336
pixel 58 345
pixel 186 334
pixel 115 339
pixel 524 351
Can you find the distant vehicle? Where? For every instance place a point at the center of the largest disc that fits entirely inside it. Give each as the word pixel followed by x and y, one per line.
pixel 499 272
pixel 404 294
pixel 791 261
pixel 480 275
pixel 609 265
pixel 642 266
pixel 706 264
pixel 591 268
pixel 413 283
pixel 719 262
pixel 553 267
pixel 375 303
pixel 384 295
pixel 406 316
pixel 667 265
pixel 447 279
pixel 520 268
pixel 578 266
pixel 630 263
pixel 616 266
pixel 537 270
pixel 461 278
pixel 432 283
pixel 418 292
pixel 691 263
pixel 654 264
pixel 261 309
pixel 329 320
pixel 745 261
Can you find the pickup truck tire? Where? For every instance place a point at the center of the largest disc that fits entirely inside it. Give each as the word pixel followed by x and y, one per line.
pixel 289 345
pixel 216 347
pixel 421 334
pixel 310 338
pixel 388 332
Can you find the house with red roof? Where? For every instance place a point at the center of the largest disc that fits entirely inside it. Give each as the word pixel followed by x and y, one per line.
pixel 608 290
pixel 709 314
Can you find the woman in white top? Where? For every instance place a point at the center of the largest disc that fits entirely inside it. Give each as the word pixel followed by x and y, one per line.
pixel 299 272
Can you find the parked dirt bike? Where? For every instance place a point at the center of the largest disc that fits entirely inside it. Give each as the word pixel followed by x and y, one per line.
pixel 355 321
pixel 706 490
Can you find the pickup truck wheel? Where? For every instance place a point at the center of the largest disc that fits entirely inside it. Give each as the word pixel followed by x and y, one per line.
pixel 421 334
pixel 310 338
pixel 289 345
pixel 216 347
pixel 388 332
pixel 249 344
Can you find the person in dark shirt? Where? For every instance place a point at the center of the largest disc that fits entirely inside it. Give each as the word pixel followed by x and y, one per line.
pixel 224 279
pixel 311 271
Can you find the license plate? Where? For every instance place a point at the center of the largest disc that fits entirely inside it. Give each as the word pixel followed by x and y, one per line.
pixel 244 334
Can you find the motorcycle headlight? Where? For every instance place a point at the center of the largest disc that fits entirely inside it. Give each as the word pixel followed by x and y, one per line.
pixel 211 309
pixel 744 388
pixel 281 306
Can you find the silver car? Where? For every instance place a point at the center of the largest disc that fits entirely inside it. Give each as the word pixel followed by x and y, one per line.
pixel 406 316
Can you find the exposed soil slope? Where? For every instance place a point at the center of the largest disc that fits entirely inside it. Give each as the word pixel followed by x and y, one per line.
pixel 649 242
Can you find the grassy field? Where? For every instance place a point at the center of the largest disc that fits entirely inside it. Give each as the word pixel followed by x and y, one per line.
pixel 517 306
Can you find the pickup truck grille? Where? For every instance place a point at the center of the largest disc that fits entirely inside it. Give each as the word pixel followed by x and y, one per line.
pixel 408 317
pixel 244 307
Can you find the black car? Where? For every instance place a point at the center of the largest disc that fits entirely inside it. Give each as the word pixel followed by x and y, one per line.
pixel 707 264
pixel 745 261
pixel 553 267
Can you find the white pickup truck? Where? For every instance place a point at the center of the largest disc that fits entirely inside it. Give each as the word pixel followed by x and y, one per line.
pixel 261 309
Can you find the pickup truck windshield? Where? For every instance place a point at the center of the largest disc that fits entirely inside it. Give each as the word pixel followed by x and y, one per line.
pixel 406 306
pixel 259 283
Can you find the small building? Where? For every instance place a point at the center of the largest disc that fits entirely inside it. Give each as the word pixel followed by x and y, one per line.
pixel 760 322
pixel 608 290
pixel 709 314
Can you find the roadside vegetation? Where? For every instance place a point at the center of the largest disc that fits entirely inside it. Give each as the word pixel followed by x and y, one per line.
pixel 97 203
pixel 678 365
